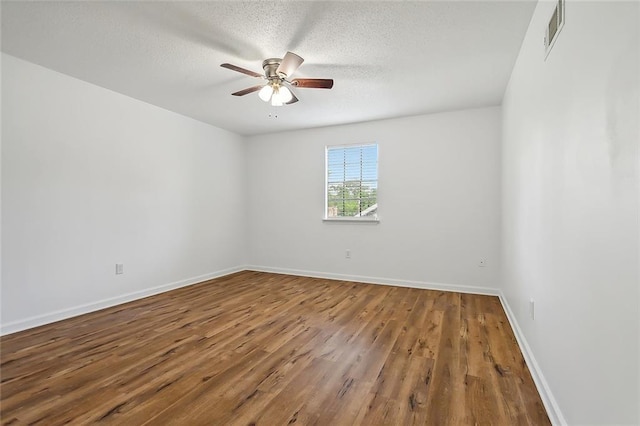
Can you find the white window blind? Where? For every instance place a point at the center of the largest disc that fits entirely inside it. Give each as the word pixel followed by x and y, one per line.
pixel 352 182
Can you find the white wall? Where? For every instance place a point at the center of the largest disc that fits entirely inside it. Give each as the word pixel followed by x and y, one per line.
pixel 1 116
pixel 570 207
pixel 91 178
pixel 439 202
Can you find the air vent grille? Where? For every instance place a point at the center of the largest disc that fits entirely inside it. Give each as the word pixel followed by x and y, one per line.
pixel 556 22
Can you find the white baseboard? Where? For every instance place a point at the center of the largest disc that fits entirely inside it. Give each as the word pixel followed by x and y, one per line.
pixel 550 403
pixel 376 280
pixel 38 320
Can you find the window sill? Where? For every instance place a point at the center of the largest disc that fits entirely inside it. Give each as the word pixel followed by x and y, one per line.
pixel 369 221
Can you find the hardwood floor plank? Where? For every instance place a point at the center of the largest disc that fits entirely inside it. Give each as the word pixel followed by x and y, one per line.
pixel 289 402
pixel 271 349
pixel 444 406
pixel 412 395
pixel 354 381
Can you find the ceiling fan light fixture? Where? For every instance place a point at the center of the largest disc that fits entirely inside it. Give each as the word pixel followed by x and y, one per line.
pixel 265 93
pixel 277 73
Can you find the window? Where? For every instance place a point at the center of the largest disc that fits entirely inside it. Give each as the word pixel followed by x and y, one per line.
pixel 352 182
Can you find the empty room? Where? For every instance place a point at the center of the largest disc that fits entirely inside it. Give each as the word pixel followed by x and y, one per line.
pixel 320 213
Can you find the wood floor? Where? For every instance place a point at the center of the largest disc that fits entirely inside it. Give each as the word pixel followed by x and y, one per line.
pixel 268 349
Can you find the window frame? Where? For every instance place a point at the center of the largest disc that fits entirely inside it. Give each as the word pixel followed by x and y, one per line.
pixel 351 219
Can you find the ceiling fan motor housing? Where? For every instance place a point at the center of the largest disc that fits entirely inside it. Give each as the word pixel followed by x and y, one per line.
pixel 270 67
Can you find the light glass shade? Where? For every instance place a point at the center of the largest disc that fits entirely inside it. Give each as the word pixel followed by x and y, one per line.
pixel 265 93
pixel 285 94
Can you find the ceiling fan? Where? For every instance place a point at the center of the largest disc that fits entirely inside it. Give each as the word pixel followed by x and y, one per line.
pixel 277 72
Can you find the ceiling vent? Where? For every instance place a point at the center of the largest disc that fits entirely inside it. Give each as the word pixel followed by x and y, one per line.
pixel 556 22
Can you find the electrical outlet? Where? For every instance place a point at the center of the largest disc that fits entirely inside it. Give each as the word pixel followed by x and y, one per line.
pixel 347 254
pixel 482 263
pixel 532 307
pixel 119 269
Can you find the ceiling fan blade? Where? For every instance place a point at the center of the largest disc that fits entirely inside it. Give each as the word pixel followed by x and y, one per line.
pixel 314 83
pixel 248 90
pixel 289 64
pixel 293 100
pixel 242 70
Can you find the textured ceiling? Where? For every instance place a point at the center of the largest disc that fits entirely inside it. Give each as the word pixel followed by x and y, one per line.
pixel 388 59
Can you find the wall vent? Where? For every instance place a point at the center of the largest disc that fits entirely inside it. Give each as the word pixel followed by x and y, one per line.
pixel 556 22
